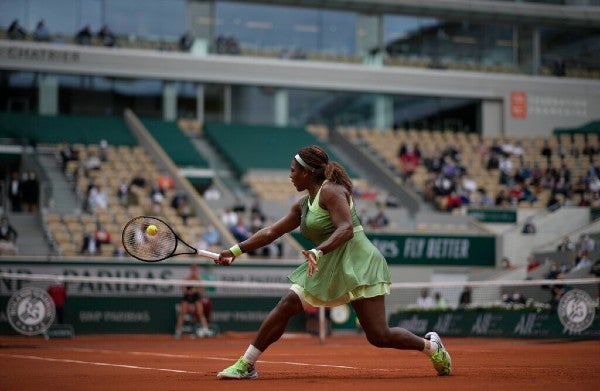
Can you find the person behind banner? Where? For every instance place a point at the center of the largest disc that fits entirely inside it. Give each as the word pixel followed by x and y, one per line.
pixel 343 267
pixel 192 302
pixel 58 293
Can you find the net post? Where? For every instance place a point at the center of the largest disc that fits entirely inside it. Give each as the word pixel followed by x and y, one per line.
pixel 322 325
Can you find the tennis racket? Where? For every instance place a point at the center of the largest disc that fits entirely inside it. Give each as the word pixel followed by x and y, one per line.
pixel 151 245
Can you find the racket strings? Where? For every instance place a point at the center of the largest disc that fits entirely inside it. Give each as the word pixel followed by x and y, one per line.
pixel 139 244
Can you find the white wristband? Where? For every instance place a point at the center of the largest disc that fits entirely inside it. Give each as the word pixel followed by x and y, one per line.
pixel 318 253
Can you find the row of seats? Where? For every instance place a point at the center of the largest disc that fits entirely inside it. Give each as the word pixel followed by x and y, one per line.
pixel 120 165
pixel 473 147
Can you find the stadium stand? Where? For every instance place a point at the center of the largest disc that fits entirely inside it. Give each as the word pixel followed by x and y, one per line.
pixel 472 154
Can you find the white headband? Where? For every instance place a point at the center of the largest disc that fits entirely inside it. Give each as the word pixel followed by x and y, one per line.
pixel 303 163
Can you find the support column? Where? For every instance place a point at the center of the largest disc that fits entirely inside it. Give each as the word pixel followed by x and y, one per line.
pixel 200 103
pixel 383 112
pixel 169 101
pixel 492 118
pixel 281 108
pixel 47 95
pixel 227 106
pixel 535 51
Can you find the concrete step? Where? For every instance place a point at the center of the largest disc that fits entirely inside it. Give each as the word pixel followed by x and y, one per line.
pixel 31 238
pixel 63 199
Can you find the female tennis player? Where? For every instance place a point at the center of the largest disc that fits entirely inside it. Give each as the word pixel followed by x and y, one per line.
pixel 344 267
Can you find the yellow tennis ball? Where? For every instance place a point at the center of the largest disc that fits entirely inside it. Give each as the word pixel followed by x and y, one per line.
pixel 151 230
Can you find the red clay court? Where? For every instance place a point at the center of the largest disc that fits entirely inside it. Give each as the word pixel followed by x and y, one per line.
pixel 297 362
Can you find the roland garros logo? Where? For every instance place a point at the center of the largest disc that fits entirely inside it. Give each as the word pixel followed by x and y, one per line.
pixel 576 311
pixel 30 311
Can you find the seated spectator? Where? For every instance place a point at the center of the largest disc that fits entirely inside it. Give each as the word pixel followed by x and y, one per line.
pixel 192 301
pixel 380 220
pixel 465 297
pixel 408 162
pixel 502 198
pixel 583 261
pixel 453 201
pixel 229 218
pixel 139 180
pixel 546 151
pixel 553 203
pixel 532 263
pixel 425 301
pixel 257 220
pixel 90 245
pixel 239 231
pixel 97 198
pixel 440 302
pixel 185 42
pixel 554 271
pixel 177 200
pixel 84 36
pixel 41 33
pixel 123 191
pixel 157 196
pixel 102 234
pixel 106 36
pixel 514 298
pixel 484 198
pixel 566 245
pixel 8 237
pixel 93 162
pixel 556 293
pixel 587 243
pixel 506 264
pixel 15 31
pixel 595 270
pixel 529 227
pixel 212 193
pixel 211 236
pixel 119 250
pixel 185 210
pixel 67 154
pixel 165 182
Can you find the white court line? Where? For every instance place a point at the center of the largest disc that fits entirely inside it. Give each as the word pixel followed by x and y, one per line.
pixel 185 356
pixel 105 364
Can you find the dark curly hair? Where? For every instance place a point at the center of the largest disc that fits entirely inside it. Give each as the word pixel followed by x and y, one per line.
pixel 316 157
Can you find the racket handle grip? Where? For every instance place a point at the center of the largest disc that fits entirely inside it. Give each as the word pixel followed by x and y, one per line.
pixel 208 254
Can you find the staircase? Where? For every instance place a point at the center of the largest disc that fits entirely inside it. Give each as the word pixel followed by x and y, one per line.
pixel 31 238
pixel 62 199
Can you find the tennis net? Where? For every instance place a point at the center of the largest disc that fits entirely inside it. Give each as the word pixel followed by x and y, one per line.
pixel 126 304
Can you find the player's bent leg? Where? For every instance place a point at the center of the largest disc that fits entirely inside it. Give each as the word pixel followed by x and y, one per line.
pixel 273 327
pixel 372 318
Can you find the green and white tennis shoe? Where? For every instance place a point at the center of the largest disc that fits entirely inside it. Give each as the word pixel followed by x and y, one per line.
pixel 440 359
pixel 240 370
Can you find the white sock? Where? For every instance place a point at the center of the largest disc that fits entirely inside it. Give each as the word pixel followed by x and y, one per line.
pixel 430 347
pixel 252 354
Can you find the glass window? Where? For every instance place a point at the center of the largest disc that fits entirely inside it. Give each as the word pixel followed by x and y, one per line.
pixel 155 19
pixel 59 19
pixel 89 12
pixel 285 29
pixel 568 51
pixel 11 10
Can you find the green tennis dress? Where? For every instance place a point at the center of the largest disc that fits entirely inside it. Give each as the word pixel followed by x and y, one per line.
pixel 355 270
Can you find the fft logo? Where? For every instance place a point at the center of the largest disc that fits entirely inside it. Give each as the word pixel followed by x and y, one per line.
pixel 576 311
pixel 30 311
